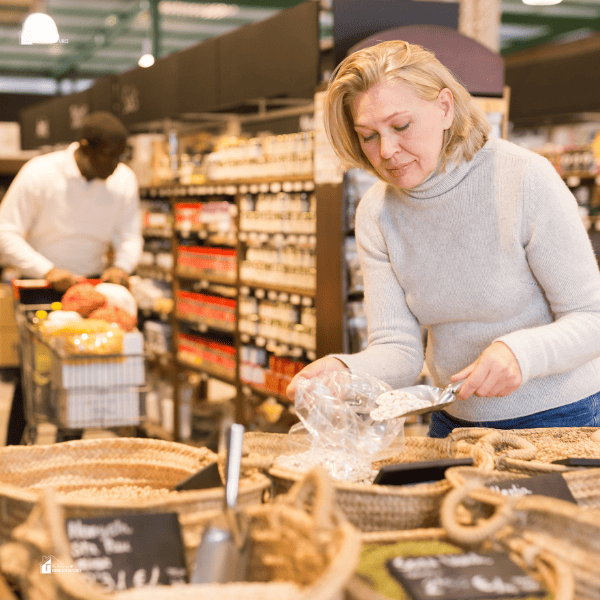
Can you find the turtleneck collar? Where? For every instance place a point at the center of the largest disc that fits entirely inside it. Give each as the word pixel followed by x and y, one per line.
pixel 440 182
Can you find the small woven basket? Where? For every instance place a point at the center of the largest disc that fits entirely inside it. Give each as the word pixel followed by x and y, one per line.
pixel 584 484
pixel 112 476
pixel 541 446
pixel 380 507
pixel 534 527
pixel 552 573
pixel 303 548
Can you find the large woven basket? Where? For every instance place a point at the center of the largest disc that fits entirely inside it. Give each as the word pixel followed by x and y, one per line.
pixel 115 475
pixel 539 447
pixel 379 507
pixel 552 573
pixel 532 526
pixel 303 548
pixel 584 484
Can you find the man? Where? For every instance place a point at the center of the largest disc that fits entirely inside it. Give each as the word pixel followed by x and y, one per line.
pixel 65 209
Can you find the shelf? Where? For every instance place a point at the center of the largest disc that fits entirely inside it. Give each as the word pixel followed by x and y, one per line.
pixel 206 276
pixel 204 324
pixel 212 371
pixel 279 288
pixel 156 232
pixel 157 431
pixel 154 272
pixel 264 392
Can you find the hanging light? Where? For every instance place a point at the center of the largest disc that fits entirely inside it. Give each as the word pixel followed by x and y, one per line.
pixel 147 58
pixel 541 2
pixel 39 28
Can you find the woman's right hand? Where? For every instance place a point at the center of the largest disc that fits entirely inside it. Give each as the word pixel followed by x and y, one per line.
pixel 318 368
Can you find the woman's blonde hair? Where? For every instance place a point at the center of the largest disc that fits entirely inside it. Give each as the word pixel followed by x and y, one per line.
pixel 399 61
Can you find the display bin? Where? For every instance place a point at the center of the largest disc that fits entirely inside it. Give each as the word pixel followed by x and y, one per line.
pixel 373 507
pixel 108 476
pixel 539 447
pixel 372 581
pixel 302 548
pixel 535 527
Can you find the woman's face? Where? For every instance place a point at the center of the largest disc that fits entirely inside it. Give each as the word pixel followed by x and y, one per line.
pixel 400 133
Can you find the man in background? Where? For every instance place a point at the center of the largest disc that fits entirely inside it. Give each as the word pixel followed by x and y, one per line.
pixel 64 211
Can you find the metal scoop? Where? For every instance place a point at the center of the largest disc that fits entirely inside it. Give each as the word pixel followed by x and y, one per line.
pixel 415 400
pixel 224 550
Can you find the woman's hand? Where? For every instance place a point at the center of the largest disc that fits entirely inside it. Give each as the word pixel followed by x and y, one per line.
pixel 318 368
pixel 495 373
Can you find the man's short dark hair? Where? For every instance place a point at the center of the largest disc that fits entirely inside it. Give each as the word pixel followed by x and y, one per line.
pixel 102 126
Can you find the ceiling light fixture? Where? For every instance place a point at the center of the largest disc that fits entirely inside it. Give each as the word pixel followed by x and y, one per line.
pixel 541 2
pixel 39 28
pixel 147 59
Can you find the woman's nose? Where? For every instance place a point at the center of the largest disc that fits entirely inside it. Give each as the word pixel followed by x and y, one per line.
pixel 387 147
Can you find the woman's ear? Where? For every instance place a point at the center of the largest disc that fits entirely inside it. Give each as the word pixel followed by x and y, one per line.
pixel 445 102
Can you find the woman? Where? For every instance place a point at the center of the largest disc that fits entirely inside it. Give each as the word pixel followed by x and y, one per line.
pixel 477 240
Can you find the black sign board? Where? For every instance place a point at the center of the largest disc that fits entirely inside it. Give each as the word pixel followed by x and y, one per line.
pixel 37 124
pixel 275 57
pixel 468 576
pixel 130 550
pixel 355 20
pixel 479 69
pixel 149 95
pixel 552 484
pixel 69 114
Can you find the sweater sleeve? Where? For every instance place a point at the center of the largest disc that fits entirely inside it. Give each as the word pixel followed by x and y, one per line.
pixel 562 260
pixel 17 212
pixel 395 350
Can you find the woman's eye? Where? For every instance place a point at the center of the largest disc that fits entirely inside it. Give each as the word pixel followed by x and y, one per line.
pixel 403 128
pixel 367 138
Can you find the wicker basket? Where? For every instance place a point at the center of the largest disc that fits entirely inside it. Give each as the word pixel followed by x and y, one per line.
pixel 101 477
pixel 303 548
pixel 378 507
pixel 532 526
pixel 552 573
pixel 538 447
pixel 584 484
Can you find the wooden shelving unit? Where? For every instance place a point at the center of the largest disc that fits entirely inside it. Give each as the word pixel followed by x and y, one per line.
pixel 206 284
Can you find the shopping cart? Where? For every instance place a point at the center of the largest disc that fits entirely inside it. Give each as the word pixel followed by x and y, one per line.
pixel 74 391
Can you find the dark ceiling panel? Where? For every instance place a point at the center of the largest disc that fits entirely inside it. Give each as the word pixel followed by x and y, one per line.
pixel 197 83
pixel 276 57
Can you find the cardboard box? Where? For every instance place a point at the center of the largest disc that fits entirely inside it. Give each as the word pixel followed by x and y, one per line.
pixel 84 409
pixel 7 307
pixel 9 347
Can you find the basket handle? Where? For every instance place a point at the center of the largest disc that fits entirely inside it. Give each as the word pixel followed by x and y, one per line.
pixel 474 534
pixel 314 488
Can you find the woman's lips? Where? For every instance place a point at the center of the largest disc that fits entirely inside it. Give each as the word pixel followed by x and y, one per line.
pixel 400 169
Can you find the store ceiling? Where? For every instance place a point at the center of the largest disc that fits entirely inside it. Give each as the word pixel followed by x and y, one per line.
pixel 103 37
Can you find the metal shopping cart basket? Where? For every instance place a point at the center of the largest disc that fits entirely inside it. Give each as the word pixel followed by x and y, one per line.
pixel 74 392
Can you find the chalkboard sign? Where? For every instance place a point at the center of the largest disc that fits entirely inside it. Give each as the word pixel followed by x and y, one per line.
pixel 128 551
pixel 468 576
pixel 551 484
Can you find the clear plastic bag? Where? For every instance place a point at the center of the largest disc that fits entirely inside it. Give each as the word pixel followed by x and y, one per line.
pixel 336 430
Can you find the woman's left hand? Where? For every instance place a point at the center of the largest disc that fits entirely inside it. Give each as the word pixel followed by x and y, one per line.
pixel 495 373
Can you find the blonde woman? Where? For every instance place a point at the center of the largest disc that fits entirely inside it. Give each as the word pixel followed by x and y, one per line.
pixel 477 240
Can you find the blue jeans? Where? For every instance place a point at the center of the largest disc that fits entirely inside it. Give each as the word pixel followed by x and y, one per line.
pixel 583 413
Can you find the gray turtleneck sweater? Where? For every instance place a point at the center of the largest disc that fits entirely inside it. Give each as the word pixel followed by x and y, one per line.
pixel 491 249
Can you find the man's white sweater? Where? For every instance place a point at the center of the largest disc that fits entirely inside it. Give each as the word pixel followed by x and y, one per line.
pixel 492 249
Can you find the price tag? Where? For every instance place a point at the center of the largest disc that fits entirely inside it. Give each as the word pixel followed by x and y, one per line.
pixel 551 484
pixel 128 551
pixel 468 576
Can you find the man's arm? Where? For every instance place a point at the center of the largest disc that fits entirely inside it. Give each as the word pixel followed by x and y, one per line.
pixel 17 212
